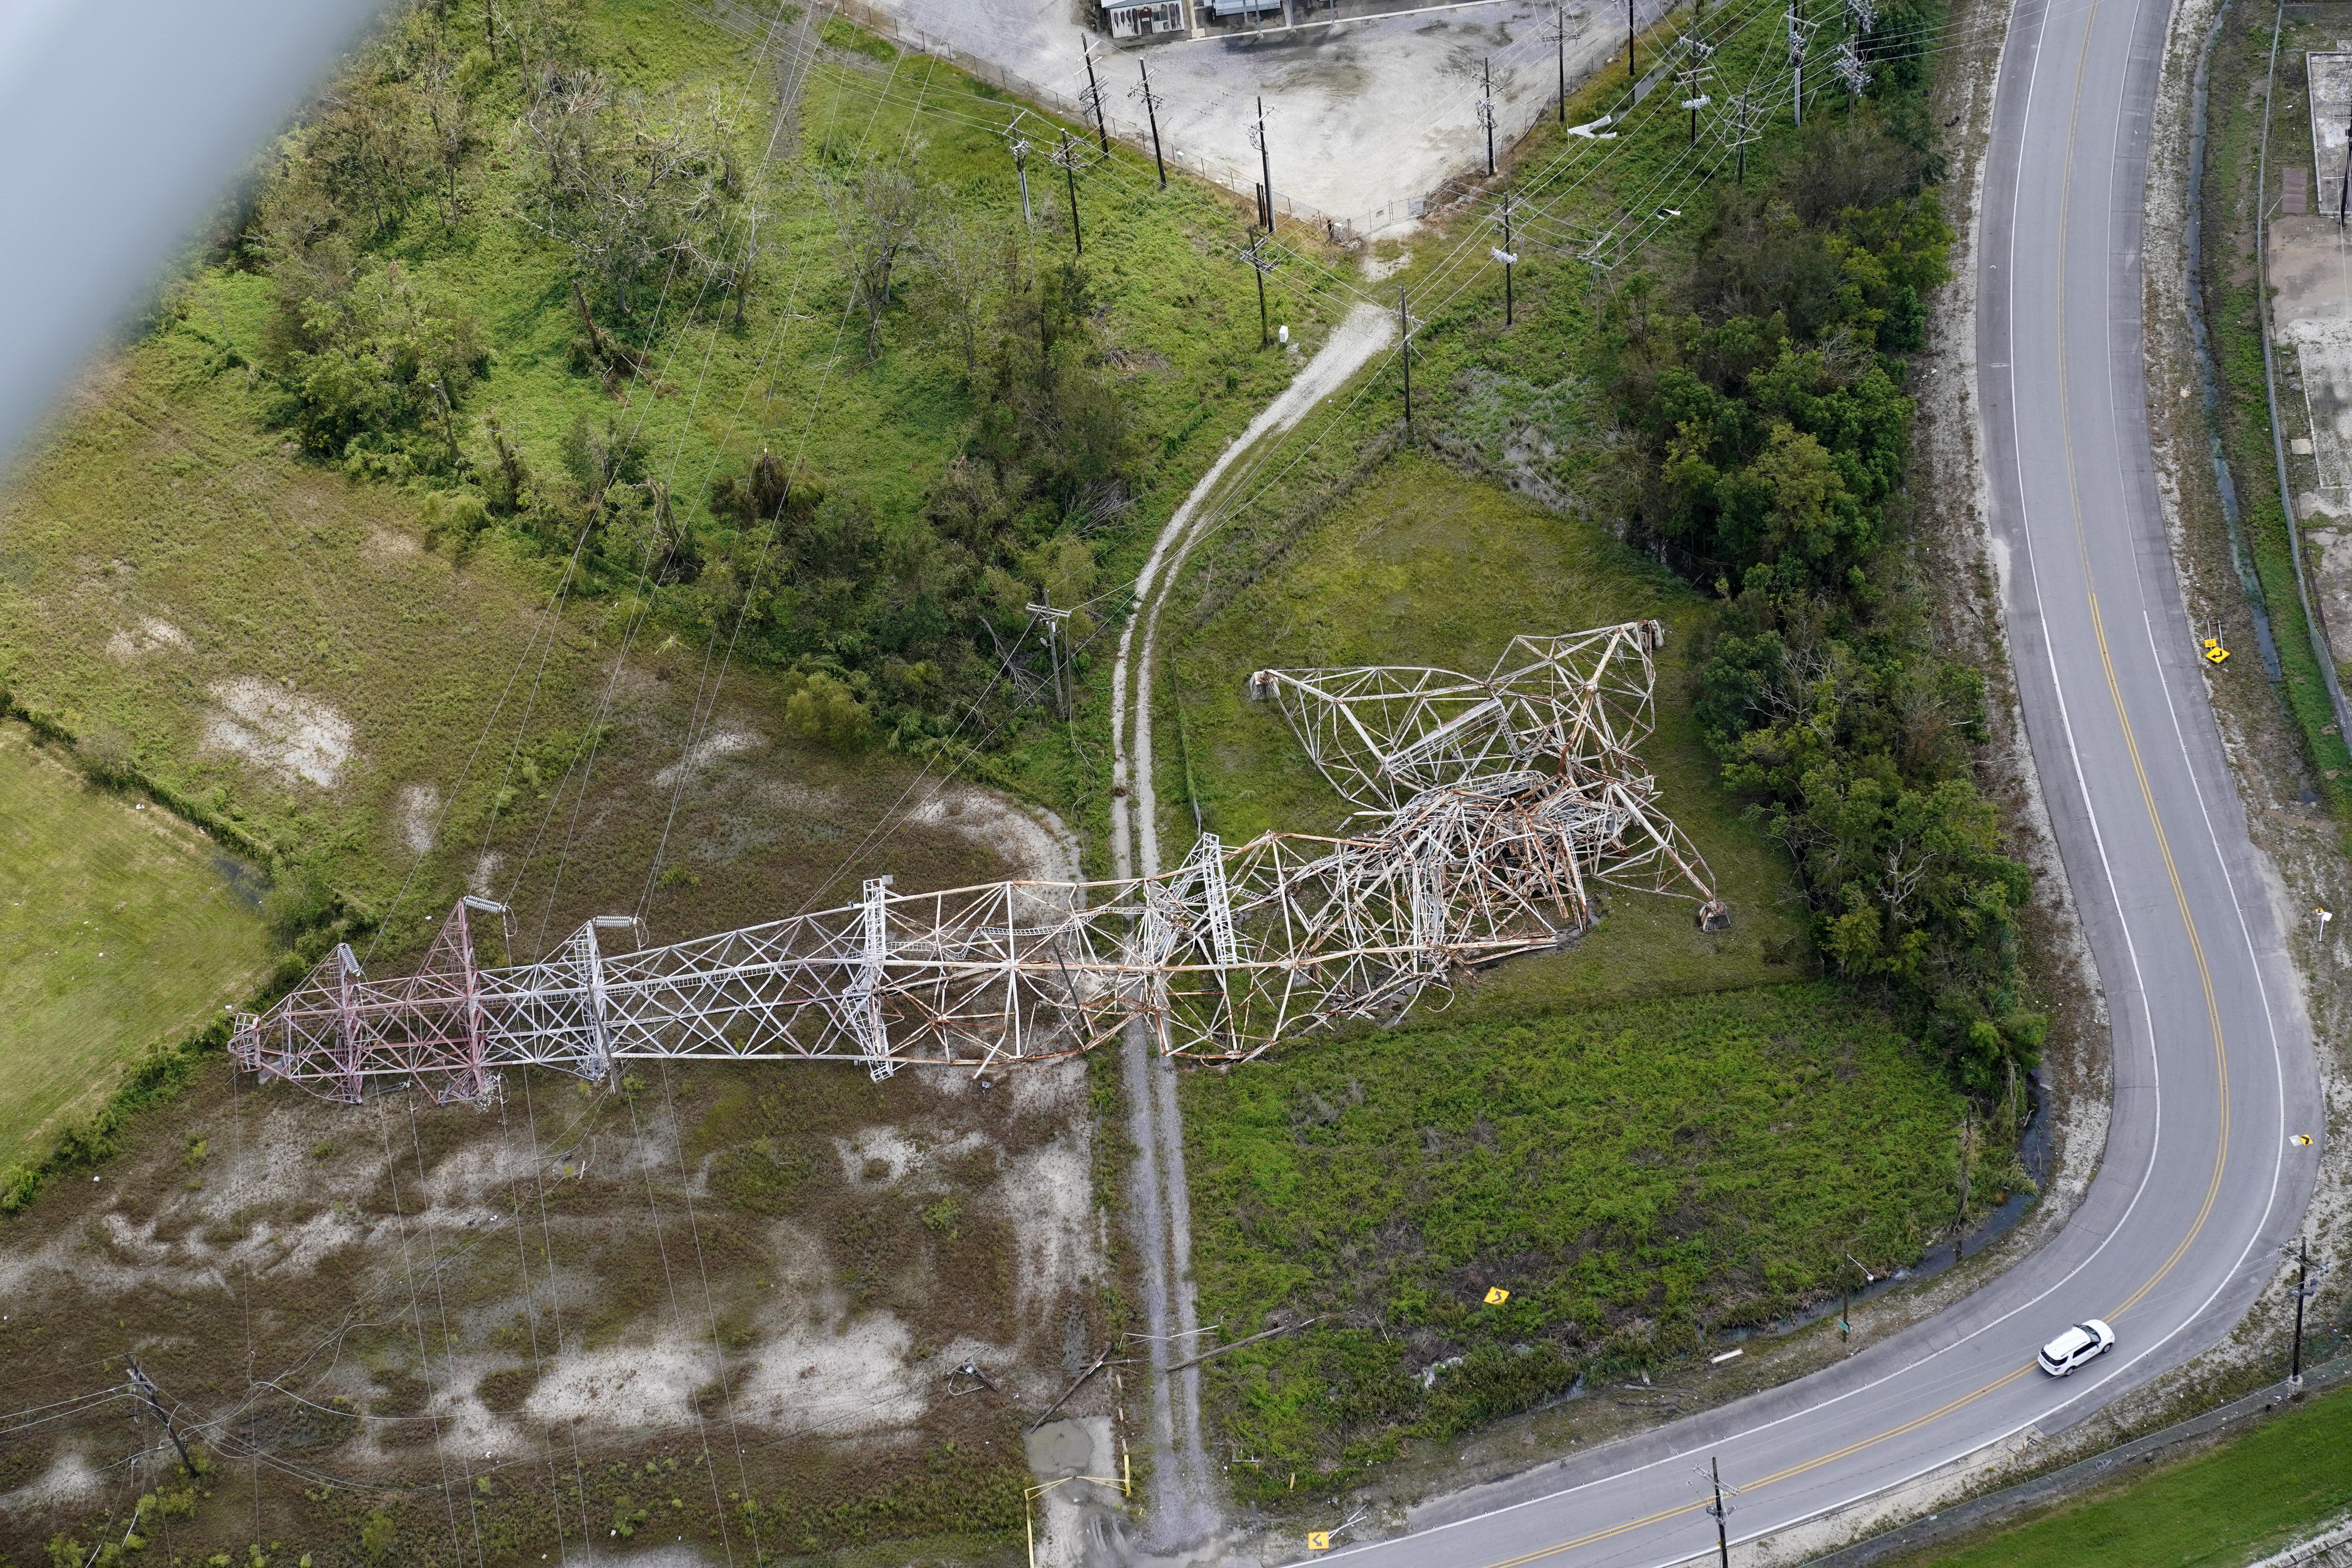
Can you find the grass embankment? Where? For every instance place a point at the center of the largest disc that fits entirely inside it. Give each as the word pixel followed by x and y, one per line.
pixel 2251 1497
pixel 119 929
pixel 1636 1177
pixel 2230 291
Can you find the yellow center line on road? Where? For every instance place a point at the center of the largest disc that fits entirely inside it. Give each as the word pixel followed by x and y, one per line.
pixel 2172 873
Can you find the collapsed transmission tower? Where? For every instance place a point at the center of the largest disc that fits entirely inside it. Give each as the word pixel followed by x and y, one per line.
pixel 1488 808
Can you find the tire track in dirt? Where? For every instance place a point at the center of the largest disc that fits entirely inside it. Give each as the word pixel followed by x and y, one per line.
pixel 1185 1507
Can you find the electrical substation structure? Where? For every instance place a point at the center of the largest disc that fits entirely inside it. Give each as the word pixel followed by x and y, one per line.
pixel 1488 810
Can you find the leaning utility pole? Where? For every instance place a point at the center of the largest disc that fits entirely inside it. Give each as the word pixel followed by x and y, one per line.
pixel 1070 161
pixel 1094 97
pixel 1151 112
pixel 1487 116
pixel 1629 44
pixel 1057 654
pixel 1743 117
pixel 145 1389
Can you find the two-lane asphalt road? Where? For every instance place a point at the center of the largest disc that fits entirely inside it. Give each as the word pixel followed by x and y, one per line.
pixel 2212 1057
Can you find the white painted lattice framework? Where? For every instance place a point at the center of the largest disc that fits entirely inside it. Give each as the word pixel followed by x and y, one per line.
pixel 1491 809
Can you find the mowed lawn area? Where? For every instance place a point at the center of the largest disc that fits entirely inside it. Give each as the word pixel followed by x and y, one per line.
pixel 2285 1480
pixel 120 929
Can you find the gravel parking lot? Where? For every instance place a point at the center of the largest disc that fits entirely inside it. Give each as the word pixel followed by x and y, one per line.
pixel 1367 111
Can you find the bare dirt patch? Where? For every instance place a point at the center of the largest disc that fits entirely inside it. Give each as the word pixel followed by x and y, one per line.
pixel 281 732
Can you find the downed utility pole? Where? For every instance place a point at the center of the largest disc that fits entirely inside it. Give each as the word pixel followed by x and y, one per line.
pixel 1109 1345
pixel 144 1387
pixel 1205 1355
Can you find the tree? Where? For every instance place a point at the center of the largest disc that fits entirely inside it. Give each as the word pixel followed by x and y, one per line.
pixel 878 212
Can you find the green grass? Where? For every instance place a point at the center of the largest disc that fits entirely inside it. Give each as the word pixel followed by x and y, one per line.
pixel 2285 1478
pixel 120 931
pixel 161 493
pixel 1423 566
pixel 1636 1177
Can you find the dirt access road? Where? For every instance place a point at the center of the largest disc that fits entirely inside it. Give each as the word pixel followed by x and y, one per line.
pixel 1184 1511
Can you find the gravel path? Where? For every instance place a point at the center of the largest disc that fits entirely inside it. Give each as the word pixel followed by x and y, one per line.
pixel 1185 1508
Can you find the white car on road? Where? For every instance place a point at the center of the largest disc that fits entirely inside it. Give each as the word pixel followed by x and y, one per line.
pixel 2078 1344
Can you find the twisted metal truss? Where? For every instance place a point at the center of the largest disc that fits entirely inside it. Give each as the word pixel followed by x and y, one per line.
pixel 1491 807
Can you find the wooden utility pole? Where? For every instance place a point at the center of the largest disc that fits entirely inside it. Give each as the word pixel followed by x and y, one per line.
pixel 1094 97
pixel 1722 1537
pixel 1151 112
pixel 1559 48
pixel 145 1389
pixel 1486 114
pixel 1404 326
pixel 1069 163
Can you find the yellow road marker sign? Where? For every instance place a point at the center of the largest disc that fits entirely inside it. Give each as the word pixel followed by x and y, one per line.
pixel 1496 1296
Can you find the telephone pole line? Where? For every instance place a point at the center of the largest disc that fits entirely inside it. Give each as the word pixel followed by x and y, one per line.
pixel 1261 264
pixel 1404 327
pixel 1487 116
pixel 1722 1536
pixel 1559 52
pixel 1094 97
pixel 1693 80
pixel 1801 33
pixel 1151 112
pixel 1265 170
pixel 1070 161
pixel 1020 167
pixel 1507 257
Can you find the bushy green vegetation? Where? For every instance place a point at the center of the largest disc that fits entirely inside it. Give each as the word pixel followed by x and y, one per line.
pixel 119 929
pixel 824 394
pixel 1638 1178
pixel 2251 1497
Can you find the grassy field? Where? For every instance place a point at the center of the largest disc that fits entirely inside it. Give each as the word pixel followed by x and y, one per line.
pixel 2286 1479
pixel 272 577
pixel 1423 566
pixel 1636 1177
pixel 120 931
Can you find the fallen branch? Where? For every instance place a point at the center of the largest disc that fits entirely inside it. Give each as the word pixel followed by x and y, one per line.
pixel 1237 1344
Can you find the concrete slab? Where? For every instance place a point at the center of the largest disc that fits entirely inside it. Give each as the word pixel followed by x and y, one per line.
pixel 1366 113
pixel 2329 72
pixel 2311 316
